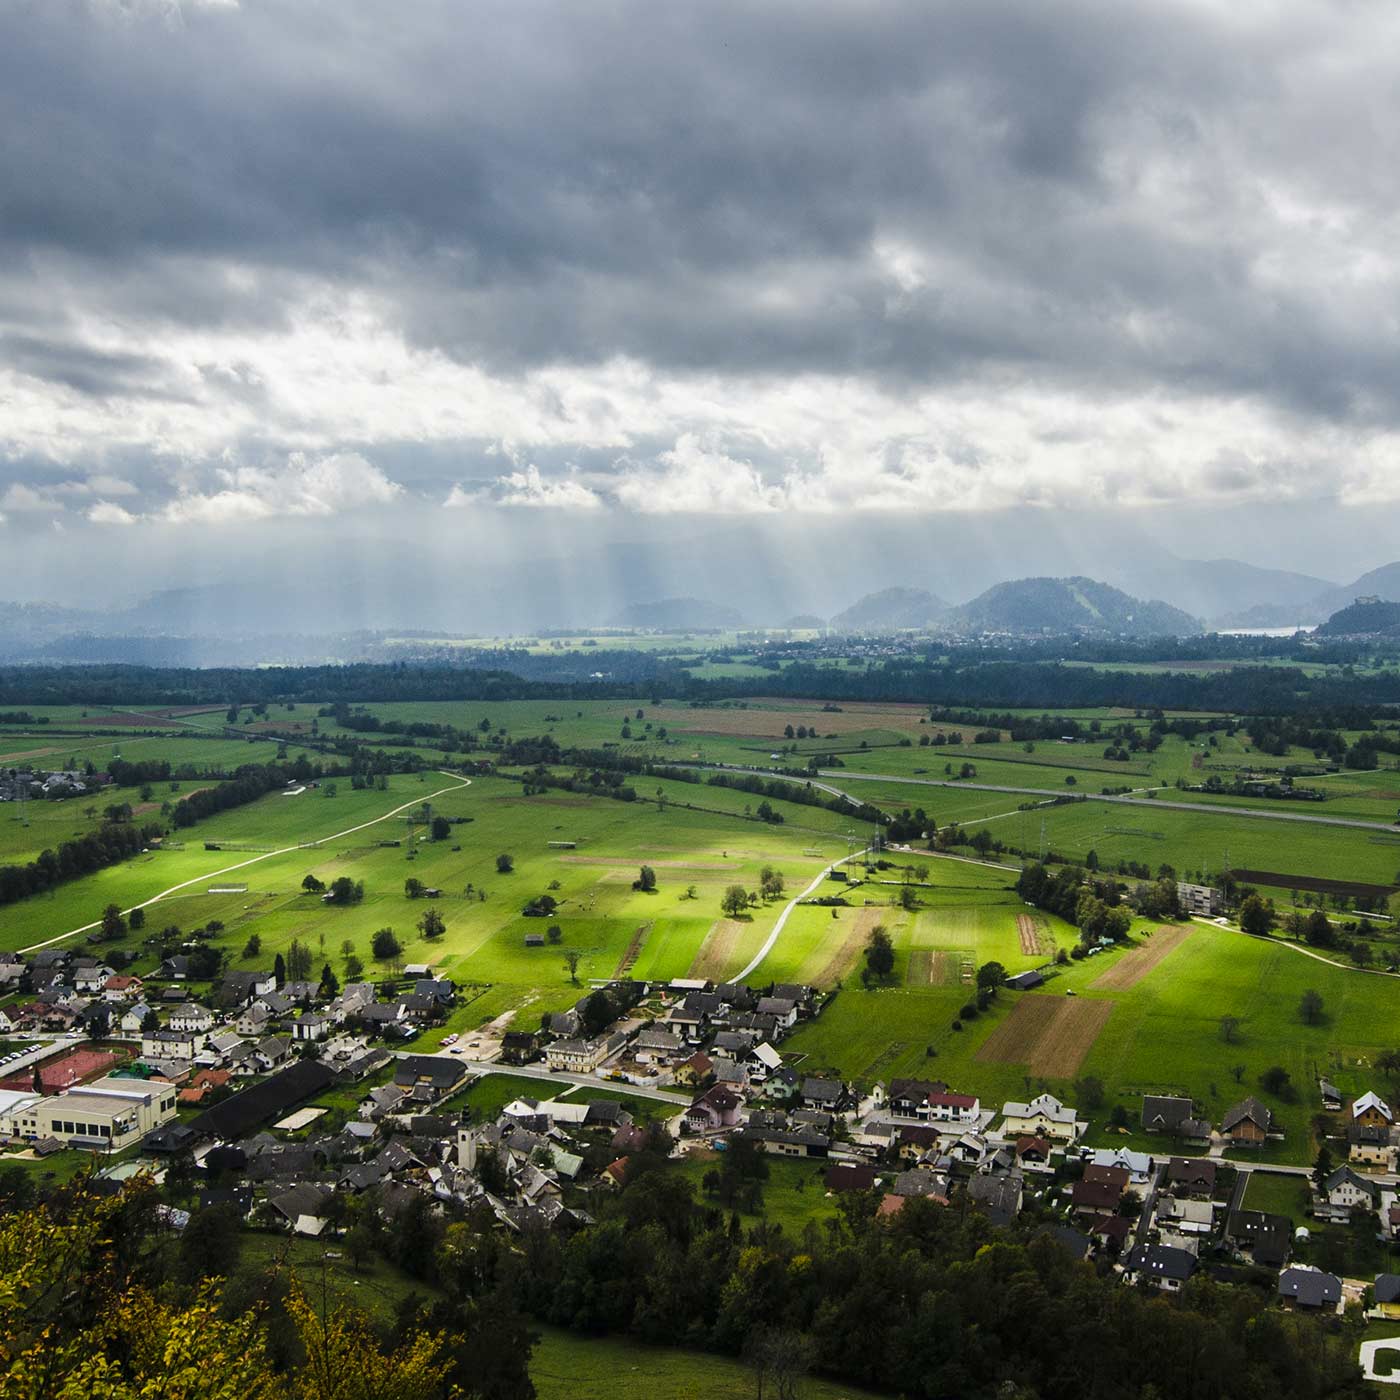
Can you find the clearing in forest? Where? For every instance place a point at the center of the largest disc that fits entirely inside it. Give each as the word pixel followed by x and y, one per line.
pixel 1135 964
pixel 1050 1036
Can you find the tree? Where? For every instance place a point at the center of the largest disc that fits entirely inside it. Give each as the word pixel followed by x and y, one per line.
pixel 432 925
pixel 136 920
pixel 1229 1029
pixel 413 887
pixel 1089 1092
pixel 734 901
pixel 1275 1079
pixel 344 890
pixel 385 945
pixel 113 925
pixel 597 1012
pixel 1310 1007
pixel 646 880
pixel 691 892
pixel 354 968
pixel 279 969
pixel 1257 916
pixel 1318 931
pixel 253 946
pixel 441 828
pixel 571 961
pixel 770 882
pixel 879 952
pixel 330 983
pixel 1322 1167
pixel 990 976
pixel 554 933
pixel 504 864
pixel 312 885
pixel 299 961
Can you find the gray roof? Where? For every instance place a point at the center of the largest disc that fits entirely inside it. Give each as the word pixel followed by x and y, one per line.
pixel 1162 1261
pixel 1310 1287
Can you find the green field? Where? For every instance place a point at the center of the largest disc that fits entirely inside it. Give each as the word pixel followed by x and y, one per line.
pixel 565 1365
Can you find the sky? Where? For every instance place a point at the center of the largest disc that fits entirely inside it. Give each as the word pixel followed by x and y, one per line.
pixel 292 283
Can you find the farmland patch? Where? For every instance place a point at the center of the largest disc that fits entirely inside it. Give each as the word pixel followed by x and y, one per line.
pixel 717 951
pixel 1049 1036
pixel 1137 962
pixel 837 964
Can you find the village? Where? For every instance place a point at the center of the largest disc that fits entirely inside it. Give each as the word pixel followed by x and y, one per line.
pixel 226 1092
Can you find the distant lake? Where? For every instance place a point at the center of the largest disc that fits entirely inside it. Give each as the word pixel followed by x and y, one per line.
pixel 1261 631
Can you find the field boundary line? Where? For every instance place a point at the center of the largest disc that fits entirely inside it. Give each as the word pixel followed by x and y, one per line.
pixel 266 855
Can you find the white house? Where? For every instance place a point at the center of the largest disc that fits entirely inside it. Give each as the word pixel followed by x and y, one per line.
pixel 1043 1116
pixel 191 1016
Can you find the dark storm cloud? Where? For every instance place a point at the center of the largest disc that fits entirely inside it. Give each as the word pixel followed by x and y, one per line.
pixel 1093 199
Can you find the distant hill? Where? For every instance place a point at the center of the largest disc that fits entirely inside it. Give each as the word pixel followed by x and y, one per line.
pixel 678 614
pixel 1382 583
pixel 1228 592
pixel 805 622
pixel 1362 619
pixel 891 608
pixel 1069 605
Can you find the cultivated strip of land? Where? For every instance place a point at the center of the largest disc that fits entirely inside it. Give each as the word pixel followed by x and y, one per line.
pixel 1136 963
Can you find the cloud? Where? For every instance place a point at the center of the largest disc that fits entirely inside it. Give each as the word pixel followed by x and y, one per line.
pixel 109 513
pixel 758 261
pixel 304 487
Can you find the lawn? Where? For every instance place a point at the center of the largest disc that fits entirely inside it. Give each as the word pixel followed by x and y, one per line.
pixel 379 1288
pixel 793 1194
pixel 566 1365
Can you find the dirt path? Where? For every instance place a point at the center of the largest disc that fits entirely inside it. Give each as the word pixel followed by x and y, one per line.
pixel 266 855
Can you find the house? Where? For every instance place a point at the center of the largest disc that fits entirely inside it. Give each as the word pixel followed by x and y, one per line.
pixel 1032 1151
pixel 1162 1265
pixel 1247 1123
pixel 997 1195
pixel 1025 981
pixel 253 1021
pixel 1304 1287
pixel 122 986
pixel 823 1093
pixel 1344 1192
pixel 1369 1146
pixel 781 1009
pixel 519 1047
pixel 718 1107
pixel 1331 1096
pixel 428 1077
pixel 271 1051
pixel 1191 1176
pixel 1176 1116
pixel 173 969
pixel 134 1017
pixel 1266 1238
pixel 311 1026
pixel 788 1141
pixel 1372 1110
pixel 170 1045
pixel 948 1107
pixel 240 988
pixel 696 1069
pixel 1094 1198
pixel 657 1047
pixel 1109 1232
pixel 764 1060
pixel 849 1176
pixel 1043 1116
pixel 908 1098
pixel 1204 900
pixel 89 975
pixel 1184 1215
pixel 1386 1292
pixel 191 1016
pixel 583 1056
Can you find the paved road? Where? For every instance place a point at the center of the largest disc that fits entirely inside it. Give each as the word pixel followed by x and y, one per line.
pixel 266 855
pixel 1149 1205
pixel 587 1081
pixel 787 909
pixel 1197 807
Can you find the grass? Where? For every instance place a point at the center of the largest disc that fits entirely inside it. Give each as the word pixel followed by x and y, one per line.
pixel 379 1288
pixel 793 1194
pixel 1279 1195
pixel 565 1365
